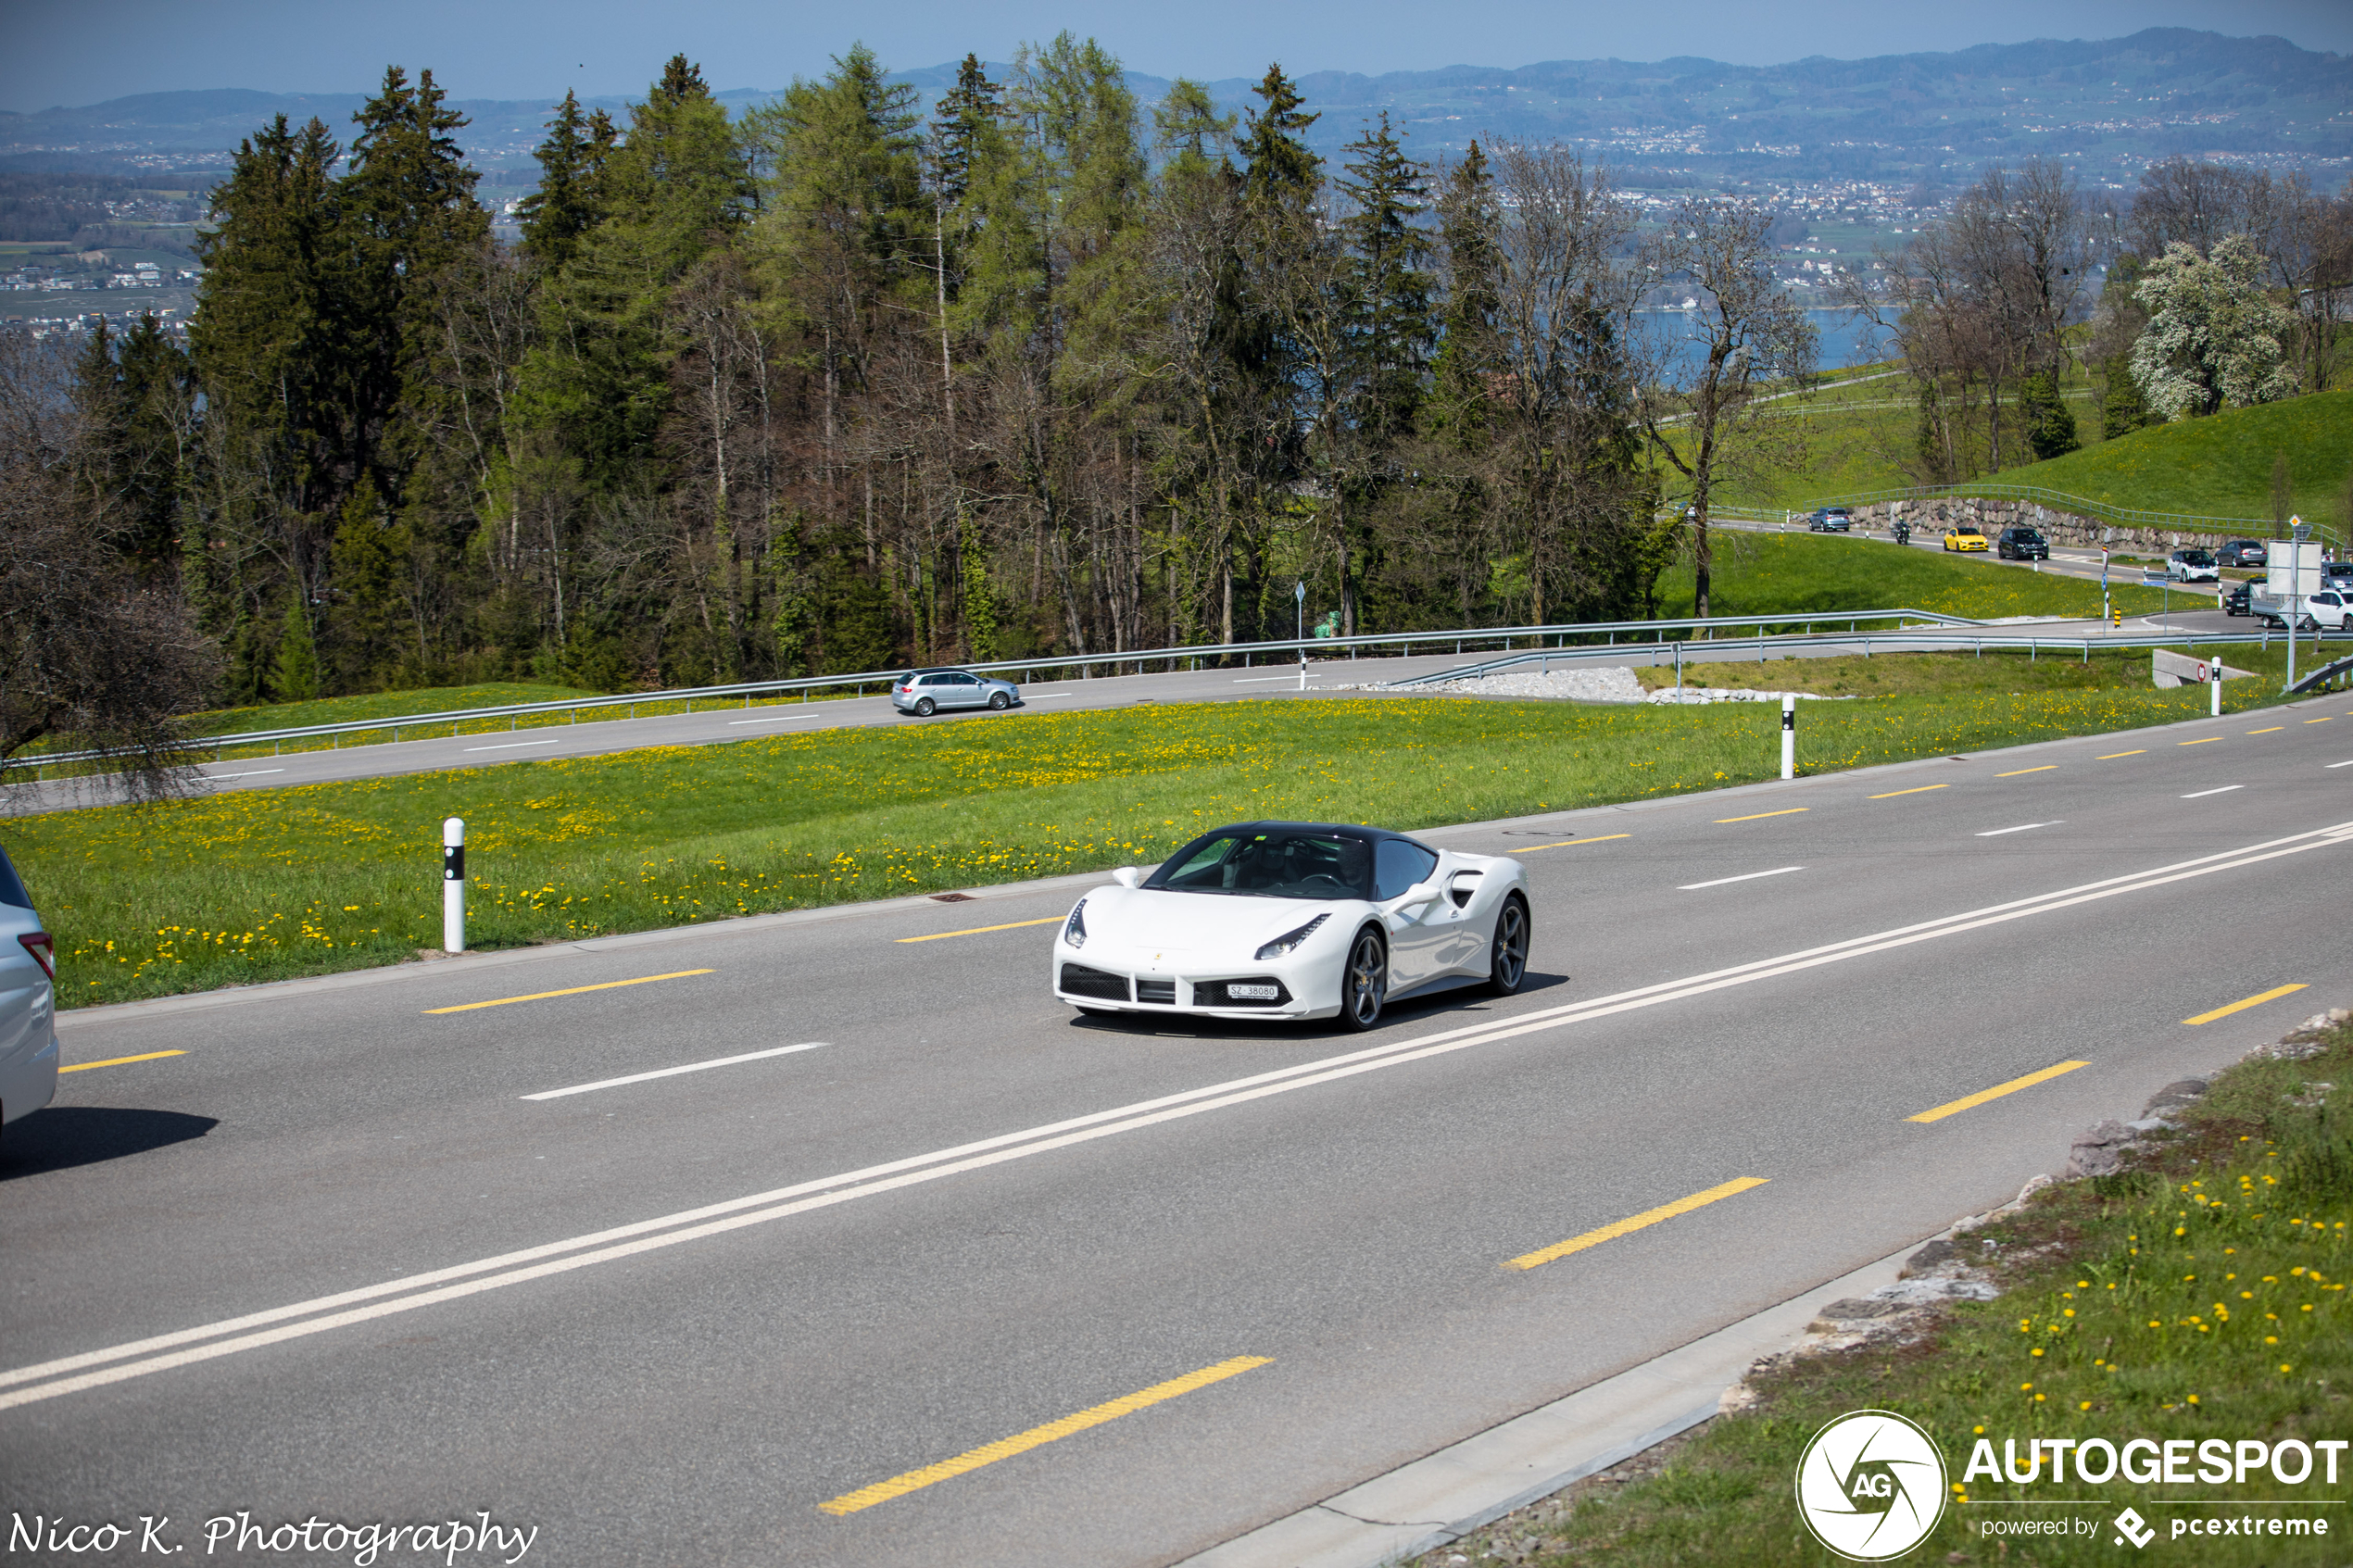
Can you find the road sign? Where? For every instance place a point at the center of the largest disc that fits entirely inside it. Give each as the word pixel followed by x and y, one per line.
pixel 2155 579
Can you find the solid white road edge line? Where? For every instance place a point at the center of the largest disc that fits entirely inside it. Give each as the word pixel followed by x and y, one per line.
pixel 253 773
pixel 674 1072
pixel 511 745
pixel 2022 827
pixel 716 1219
pixel 1750 876
pixel 2338 764
pixel 2204 793
pixel 772 718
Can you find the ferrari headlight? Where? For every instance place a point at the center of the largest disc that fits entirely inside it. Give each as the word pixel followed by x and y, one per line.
pixel 1290 939
pixel 1074 928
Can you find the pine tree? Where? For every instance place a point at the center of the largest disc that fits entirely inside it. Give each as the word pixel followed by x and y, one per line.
pixel 1282 169
pixel 295 676
pixel 1389 287
pixel 570 200
pixel 965 115
pixel 1469 232
pixel 2050 425
pixel 409 217
pixel 677 186
pixel 273 329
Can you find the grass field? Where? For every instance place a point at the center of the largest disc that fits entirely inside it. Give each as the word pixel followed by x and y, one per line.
pixel 1770 573
pixel 1857 437
pixel 2219 467
pixel 269 883
pixel 2203 1298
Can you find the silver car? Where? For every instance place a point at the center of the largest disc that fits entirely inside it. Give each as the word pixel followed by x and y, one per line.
pixel 926 692
pixel 28 1002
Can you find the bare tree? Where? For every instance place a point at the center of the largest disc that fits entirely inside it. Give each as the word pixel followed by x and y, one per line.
pixel 1746 334
pixel 88 658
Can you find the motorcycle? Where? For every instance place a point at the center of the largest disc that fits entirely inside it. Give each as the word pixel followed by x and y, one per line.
pixel 1903 532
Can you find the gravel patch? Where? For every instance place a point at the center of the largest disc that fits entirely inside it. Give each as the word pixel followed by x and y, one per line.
pixel 1613 683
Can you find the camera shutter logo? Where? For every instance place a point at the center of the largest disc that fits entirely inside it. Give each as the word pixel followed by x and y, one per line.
pixel 1870 1485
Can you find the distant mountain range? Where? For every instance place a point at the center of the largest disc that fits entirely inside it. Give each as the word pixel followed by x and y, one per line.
pixel 2108 106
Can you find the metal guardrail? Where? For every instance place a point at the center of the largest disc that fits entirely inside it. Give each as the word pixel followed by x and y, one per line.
pixel 1765 647
pixel 2326 675
pixel 2061 500
pixel 1612 631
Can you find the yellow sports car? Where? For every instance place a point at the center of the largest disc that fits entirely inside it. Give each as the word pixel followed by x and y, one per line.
pixel 1964 539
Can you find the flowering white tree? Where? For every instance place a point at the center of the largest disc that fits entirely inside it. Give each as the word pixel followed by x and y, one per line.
pixel 2214 338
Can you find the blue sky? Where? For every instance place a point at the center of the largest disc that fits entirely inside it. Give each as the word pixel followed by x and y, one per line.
pixel 74 54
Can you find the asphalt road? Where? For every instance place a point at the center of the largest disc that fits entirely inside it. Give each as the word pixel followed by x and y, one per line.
pixel 717 726
pixel 328 1259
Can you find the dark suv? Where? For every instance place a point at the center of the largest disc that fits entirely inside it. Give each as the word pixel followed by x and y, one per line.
pixel 2243 553
pixel 2021 544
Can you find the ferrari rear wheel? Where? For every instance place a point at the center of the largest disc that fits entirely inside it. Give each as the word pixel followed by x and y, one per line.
pixel 1365 983
pixel 1508 960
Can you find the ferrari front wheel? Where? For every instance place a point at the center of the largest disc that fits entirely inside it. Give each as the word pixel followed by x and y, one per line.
pixel 1364 984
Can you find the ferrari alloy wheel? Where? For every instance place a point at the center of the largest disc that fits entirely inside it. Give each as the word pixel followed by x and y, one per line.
pixel 1365 983
pixel 1508 962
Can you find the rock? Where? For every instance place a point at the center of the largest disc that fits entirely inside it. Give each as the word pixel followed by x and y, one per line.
pixel 1926 1292
pixel 1935 1255
pixel 2099 1149
pixel 2185 1091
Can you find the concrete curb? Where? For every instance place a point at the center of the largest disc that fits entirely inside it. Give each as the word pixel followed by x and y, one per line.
pixel 1445 1495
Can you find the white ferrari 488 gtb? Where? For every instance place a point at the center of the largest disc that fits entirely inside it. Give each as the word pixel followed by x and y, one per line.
pixel 1295 920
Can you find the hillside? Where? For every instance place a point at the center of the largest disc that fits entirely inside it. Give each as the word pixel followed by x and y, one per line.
pixel 2108 106
pixel 2219 467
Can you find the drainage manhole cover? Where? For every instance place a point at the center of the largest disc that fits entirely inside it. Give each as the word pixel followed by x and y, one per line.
pixel 951 897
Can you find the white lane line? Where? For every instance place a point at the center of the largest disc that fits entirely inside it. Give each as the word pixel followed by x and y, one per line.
pixel 513 744
pixel 88 1368
pixel 673 1072
pixel 2204 793
pixel 2339 764
pixel 772 718
pixel 253 773
pixel 1263 680
pixel 1751 876
pixel 2022 827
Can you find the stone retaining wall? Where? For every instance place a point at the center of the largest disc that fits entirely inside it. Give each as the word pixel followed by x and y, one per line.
pixel 2061 527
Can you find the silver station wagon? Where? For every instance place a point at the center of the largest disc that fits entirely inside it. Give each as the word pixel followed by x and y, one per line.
pixel 926 692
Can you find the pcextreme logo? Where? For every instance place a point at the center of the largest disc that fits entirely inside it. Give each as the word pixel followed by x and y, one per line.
pixel 1870 1485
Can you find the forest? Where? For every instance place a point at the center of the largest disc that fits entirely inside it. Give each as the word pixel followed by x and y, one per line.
pixel 828 386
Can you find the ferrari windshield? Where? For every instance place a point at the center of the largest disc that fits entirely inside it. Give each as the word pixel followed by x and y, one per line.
pixel 1271 864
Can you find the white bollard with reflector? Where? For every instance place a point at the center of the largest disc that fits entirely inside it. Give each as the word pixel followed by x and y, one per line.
pixel 2214 675
pixel 453 885
pixel 1789 738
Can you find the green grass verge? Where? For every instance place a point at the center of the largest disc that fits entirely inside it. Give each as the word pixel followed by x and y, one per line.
pixel 2219 467
pixel 375 704
pixel 1776 574
pixel 2200 1298
pixel 266 884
